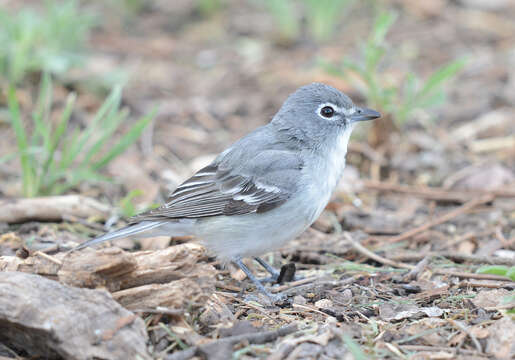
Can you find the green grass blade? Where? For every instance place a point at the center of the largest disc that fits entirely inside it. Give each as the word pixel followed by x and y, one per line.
pixel 111 127
pixel 7 157
pixel 21 138
pixel 128 139
pixel 511 273
pixel 493 269
pixel 127 207
pixel 441 75
pixel 112 101
pixel 354 348
pixel 43 108
pixel 58 135
pixel 382 25
pixel 285 15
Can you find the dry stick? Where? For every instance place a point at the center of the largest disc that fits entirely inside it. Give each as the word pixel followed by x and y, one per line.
pixel 364 251
pixel 415 272
pixel 253 338
pixel 438 348
pixel 475 259
pixel 317 282
pixel 471 275
pixel 309 308
pixel 461 327
pixel 489 285
pixel 294 284
pixel 442 219
pixel 48 257
pixel 160 310
pixel 434 193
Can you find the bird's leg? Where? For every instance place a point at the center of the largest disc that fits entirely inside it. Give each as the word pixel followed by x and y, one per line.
pixel 274 274
pixel 259 286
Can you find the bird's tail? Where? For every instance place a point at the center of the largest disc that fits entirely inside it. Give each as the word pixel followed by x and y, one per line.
pixel 123 232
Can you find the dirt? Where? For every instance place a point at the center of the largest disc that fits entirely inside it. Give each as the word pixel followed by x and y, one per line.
pixel 434 204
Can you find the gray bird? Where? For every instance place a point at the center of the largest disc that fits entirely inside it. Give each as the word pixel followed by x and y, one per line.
pixel 265 189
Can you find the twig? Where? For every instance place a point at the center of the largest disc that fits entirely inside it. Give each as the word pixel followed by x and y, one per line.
pixel 461 327
pixel 309 308
pixel 394 349
pixel 360 248
pixel 414 273
pixel 160 310
pixel 389 262
pixel 471 275
pixel 438 348
pixel 247 304
pixel 474 259
pixel 489 285
pixel 48 257
pixel 228 342
pixel 434 193
pixel 294 284
pixel 442 219
pixel 499 235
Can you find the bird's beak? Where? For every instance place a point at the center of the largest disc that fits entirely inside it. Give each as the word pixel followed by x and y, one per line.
pixel 364 114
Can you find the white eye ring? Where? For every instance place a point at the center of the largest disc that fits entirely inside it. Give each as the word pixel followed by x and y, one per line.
pixel 337 110
pixel 319 111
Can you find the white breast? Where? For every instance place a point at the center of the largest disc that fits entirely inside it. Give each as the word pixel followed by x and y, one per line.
pixel 323 174
pixel 336 158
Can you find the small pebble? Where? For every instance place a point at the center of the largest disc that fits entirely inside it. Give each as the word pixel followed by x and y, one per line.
pixel 324 304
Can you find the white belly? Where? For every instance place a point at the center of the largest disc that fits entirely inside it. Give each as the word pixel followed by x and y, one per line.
pixel 255 234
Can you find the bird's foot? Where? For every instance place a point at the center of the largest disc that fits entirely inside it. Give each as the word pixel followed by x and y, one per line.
pixel 274 298
pixel 286 274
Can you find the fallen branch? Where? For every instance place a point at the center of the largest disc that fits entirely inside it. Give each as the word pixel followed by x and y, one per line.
pixel 222 348
pixel 51 208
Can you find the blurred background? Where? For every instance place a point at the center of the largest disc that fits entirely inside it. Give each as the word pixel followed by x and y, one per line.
pixel 122 99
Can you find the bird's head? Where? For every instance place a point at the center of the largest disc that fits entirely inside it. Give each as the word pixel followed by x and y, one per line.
pixel 316 112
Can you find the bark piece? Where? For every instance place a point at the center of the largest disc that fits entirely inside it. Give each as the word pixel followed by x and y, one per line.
pixel 173 277
pixel 51 208
pixel 163 266
pixel 52 320
pixel 193 290
pixel 93 269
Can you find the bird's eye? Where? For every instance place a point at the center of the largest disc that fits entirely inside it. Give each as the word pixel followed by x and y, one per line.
pixel 327 111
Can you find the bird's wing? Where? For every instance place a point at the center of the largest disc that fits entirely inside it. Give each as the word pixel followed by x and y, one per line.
pixel 260 184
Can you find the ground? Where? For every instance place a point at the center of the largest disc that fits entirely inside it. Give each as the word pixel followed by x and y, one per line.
pixel 390 268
